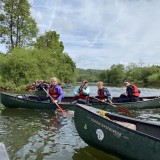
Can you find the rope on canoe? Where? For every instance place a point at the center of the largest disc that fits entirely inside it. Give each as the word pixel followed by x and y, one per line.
pixel 103 114
pixel 125 124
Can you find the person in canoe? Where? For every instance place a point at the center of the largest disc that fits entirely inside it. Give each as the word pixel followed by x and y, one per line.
pixel 39 85
pixel 103 93
pixel 132 93
pixel 55 90
pixel 82 93
pixel 31 87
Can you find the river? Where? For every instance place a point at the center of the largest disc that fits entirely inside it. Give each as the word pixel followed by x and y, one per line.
pixel 44 135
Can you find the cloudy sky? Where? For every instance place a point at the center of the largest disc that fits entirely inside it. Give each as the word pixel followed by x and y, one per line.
pixel 99 33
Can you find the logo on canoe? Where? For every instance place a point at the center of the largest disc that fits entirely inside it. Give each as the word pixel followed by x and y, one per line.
pixel 100 134
pixel 85 126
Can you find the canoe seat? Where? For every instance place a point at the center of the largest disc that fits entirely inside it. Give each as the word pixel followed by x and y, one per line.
pixel 127 125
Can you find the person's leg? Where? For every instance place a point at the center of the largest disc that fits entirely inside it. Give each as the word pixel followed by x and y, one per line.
pixel 82 101
pixel 42 98
pixel 97 97
pixel 134 99
pixel 122 100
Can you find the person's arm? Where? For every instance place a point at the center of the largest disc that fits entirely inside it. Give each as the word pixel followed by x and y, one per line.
pixel 86 90
pixel 107 94
pixel 61 94
pixel 130 91
pixel 76 91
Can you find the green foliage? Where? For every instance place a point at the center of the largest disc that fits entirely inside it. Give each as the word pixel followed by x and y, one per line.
pixel 65 68
pixel 134 73
pixel 116 74
pixel 17 27
pixel 62 65
pixel 143 76
pixel 19 67
pixel 104 75
pixel 23 66
pixel 154 78
pixel 50 40
pixel 91 75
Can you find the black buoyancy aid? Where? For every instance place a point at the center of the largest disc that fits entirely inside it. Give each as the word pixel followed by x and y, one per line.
pixel 53 92
pixel 82 95
pixel 136 92
pixel 101 94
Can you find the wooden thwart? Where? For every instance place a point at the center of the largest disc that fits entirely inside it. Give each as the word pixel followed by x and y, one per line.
pixel 125 124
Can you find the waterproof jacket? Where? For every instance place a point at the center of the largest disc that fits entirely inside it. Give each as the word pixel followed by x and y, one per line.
pixel 132 91
pixel 104 94
pixel 83 92
pixel 56 92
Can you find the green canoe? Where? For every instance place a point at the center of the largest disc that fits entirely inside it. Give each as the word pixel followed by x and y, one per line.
pixel 122 136
pixel 149 102
pixel 30 101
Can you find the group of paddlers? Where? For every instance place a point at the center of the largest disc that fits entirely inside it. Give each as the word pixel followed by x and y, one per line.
pixel 82 92
pixel 131 95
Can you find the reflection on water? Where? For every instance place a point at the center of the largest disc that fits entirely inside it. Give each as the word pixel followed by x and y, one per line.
pixel 90 153
pixel 29 134
pixel 44 135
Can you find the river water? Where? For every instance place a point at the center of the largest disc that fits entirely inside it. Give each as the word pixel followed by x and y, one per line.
pixel 44 135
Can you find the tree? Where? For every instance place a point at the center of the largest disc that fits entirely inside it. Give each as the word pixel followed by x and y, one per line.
pixel 116 74
pixel 104 76
pixel 50 40
pixel 2 61
pixel 61 64
pixel 17 27
pixel 154 78
pixel 91 75
pixel 19 67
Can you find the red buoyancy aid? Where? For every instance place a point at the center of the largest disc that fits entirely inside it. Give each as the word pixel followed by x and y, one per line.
pixel 53 92
pixel 101 94
pixel 82 95
pixel 136 92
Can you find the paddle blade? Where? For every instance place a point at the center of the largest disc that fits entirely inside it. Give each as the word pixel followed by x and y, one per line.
pixel 64 113
pixel 123 110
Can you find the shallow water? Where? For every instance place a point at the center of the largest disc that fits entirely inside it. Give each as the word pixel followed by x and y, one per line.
pixel 44 135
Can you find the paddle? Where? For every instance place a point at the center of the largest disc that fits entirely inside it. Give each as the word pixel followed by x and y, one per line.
pixel 118 107
pixel 55 102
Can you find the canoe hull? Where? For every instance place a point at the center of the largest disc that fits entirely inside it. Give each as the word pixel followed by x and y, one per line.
pixel 15 101
pixel 149 104
pixel 113 138
pixel 146 103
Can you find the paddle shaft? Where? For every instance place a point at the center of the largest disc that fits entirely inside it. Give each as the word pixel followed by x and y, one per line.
pixel 104 102
pixel 53 101
pixel 118 107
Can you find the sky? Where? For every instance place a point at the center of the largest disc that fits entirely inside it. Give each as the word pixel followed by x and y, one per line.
pixel 99 33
